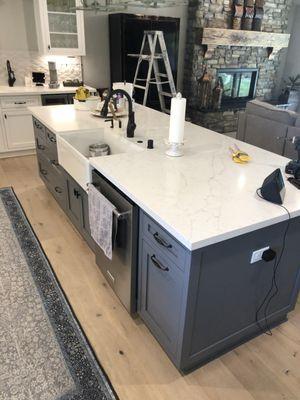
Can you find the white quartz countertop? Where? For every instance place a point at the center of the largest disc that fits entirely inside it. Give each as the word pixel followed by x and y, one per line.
pixel 201 198
pixel 37 90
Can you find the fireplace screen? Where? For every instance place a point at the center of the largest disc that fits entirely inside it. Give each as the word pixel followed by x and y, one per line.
pixel 239 85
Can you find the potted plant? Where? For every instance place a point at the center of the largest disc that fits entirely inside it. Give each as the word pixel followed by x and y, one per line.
pixel 291 93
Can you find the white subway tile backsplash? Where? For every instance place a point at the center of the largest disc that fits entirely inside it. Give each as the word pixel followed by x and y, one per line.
pixel 23 63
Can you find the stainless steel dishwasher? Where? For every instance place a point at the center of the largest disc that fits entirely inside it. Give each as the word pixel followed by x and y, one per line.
pixel 121 271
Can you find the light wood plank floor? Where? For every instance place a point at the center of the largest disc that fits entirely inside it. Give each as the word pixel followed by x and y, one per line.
pixel 267 368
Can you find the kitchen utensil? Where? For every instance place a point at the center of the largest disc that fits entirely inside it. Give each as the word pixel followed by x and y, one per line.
pixel 88 105
pixel 38 78
pixel 11 74
pixel 82 94
pixel 238 155
pixel 53 75
pixel 98 149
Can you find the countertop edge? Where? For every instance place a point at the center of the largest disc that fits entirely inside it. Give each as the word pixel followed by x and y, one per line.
pixel 192 246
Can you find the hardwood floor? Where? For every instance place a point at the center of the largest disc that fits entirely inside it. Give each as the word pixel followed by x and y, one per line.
pixel 266 368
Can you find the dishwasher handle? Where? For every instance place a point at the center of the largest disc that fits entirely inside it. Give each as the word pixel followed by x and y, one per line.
pixel 117 218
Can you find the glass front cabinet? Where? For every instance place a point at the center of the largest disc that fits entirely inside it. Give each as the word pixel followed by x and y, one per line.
pixel 60 27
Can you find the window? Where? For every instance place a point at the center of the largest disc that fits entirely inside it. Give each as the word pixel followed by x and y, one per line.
pixel 238 85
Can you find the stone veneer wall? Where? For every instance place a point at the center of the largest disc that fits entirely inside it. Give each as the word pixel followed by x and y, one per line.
pixel 217 14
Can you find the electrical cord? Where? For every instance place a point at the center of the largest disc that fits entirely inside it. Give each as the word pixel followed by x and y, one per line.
pixel 268 298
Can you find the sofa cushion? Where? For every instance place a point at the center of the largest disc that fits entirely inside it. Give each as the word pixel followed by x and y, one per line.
pixel 264 133
pixel 265 110
pixel 297 122
pixel 289 149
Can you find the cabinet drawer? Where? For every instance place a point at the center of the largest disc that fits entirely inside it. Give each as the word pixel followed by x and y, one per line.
pixel 161 239
pixel 54 177
pixel 51 145
pixel 162 286
pixel 39 129
pixel 19 101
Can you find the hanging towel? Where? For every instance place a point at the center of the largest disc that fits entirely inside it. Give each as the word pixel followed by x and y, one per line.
pixel 101 220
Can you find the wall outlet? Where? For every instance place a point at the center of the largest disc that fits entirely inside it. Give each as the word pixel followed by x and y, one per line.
pixel 257 255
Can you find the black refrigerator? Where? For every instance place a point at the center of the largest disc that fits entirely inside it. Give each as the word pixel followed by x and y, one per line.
pixel 126 34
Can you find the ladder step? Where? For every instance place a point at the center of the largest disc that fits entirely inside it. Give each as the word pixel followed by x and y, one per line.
pixel 159 83
pixel 166 94
pixel 139 87
pixel 146 56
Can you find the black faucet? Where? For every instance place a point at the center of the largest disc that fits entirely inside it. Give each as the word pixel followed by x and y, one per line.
pixel 131 123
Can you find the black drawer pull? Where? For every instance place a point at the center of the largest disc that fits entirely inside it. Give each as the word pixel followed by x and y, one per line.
pixel 20 102
pixel 37 125
pixel 58 189
pixel 161 241
pixel 51 138
pixel 76 193
pixel 43 171
pixel 158 264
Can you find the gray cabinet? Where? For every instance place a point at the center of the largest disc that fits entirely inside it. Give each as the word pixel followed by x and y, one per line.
pixel 203 303
pixel 77 209
pixel 162 285
pixel 69 195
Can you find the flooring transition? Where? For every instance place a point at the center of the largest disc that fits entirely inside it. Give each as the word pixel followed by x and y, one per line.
pixel 266 368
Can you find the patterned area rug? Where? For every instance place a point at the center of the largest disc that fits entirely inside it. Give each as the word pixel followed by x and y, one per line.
pixel 44 354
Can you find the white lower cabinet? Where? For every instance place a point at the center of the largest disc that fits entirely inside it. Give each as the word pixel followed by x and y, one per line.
pixel 2 138
pixel 18 127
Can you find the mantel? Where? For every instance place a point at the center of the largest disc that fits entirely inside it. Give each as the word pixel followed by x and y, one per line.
pixel 214 37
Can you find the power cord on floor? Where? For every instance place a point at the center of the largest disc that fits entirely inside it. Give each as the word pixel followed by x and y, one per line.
pixel 269 296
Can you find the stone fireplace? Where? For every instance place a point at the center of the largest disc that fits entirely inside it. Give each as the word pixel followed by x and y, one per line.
pixel 213 46
pixel 239 86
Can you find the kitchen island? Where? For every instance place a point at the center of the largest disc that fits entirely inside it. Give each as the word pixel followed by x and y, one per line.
pixel 198 292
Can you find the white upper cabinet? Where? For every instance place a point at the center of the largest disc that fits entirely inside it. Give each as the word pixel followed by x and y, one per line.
pixel 60 30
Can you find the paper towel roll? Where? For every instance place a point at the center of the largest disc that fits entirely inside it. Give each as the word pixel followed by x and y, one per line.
pixel 177 119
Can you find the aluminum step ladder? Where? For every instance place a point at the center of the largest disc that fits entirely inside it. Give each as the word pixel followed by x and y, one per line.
pixel 150 53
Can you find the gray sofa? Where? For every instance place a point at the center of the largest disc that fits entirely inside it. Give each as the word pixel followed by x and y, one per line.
pixel 265 126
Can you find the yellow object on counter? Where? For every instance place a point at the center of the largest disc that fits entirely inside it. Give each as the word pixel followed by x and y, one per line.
pixel 239 156
pixel 82 93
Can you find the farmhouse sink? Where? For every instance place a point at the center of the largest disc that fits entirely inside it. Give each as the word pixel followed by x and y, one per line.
pixel 73 151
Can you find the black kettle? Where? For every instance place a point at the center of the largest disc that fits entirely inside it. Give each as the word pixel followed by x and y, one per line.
pixel 11 74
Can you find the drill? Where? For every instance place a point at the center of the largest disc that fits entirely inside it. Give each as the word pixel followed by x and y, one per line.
pixel 293 167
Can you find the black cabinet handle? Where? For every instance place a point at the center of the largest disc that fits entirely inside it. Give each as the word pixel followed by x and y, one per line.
pixel 161 241
pixel 76 193
pixel 20 102
pixel 37 125
pixel 43 171
pixel 51 138
pixel 158 264
pixel 49 47
pixel 5 116
pixel 58 189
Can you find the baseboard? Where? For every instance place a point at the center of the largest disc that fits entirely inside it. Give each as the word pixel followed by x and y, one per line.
pixel 17 153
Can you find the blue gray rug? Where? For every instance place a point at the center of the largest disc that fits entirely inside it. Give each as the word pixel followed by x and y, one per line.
pixel 44 354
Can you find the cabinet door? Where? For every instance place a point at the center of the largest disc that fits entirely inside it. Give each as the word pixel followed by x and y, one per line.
pixel 19 131
pixel 2 138
pixel 75 203
pixel 161 296
pixel 62 27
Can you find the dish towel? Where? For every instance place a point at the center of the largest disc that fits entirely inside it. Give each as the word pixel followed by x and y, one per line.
pixel 101 220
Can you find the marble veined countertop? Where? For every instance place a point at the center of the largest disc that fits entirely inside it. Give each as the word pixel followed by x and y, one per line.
pixel 201 198
pixel 37 90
